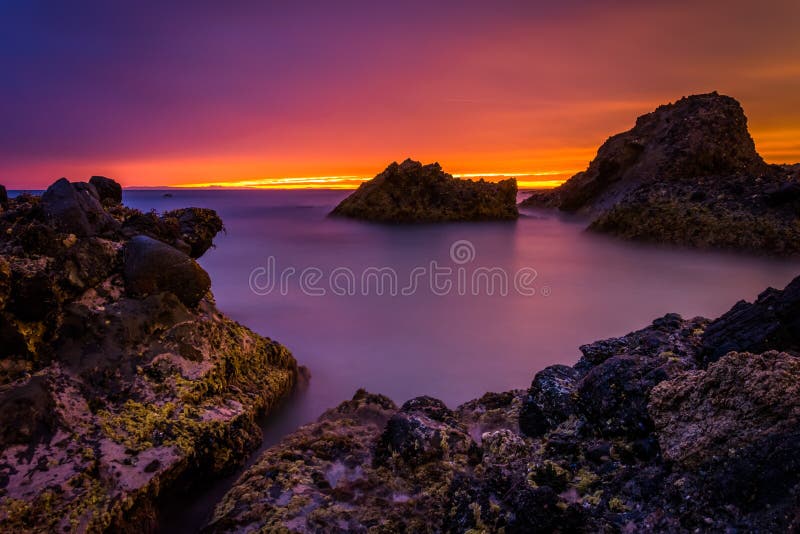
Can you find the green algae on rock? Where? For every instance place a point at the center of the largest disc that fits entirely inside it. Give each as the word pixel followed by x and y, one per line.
pixel 687 174
pixel 642 434
pixel 412 192
pixel 109 399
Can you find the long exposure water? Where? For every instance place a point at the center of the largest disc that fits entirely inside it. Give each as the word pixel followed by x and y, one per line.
pixel 423 338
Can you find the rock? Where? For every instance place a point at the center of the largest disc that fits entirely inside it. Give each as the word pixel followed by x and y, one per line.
pixel 737 402
pixel 637 437
pixel 75 208
pixel 412 192
pixel 422 431
pixel 733 432
pixel 772 322
pixel 151 266
pixel 197 227
pixel 108 190
pixel 3 197
pixel 191 230
pixel 686 174
pixel 550 400
pixel 112 400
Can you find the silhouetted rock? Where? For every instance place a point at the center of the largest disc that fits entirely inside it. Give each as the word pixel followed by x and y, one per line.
pixel 772 322
pixel 113 394
pixel 108 190
pixel 412 192
pixel 75 208
pixel 3 197
pixel 687 174
pixel 152 266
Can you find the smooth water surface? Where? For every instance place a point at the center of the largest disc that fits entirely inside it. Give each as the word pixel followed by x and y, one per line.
pixel 454 347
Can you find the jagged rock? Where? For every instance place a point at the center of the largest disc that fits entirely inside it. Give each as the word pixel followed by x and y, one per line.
pixel 686 174
pixel 152 266
pixel 654 442
pixel 424 430
pixel 110 400
pixel 733 433
pixel 107 189
pixel 550 400
pixel 412 192
pixel 75 208
pixel 197 228
pixel 772 322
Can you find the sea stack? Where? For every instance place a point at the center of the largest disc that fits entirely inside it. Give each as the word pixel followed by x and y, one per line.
pixel 687 174
pixel 411 192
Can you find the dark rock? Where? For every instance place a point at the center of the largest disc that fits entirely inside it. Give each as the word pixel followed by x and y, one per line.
pixel 151 266
pixel 652 443
pixel 686 174
pixel 109 402
pixel 26 414
pixel 108 190
pixel 424 430
pixel 75 208
pixel 412 192
pixel 550 400
pixel 3 197
pixel 197 227
pixel 772 322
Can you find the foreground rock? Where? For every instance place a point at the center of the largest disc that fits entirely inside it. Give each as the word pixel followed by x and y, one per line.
pixel 642 434
pixel 119 379
pixel 412 192
pixel 687 174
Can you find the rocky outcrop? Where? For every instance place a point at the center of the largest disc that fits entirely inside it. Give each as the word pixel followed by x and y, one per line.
pixel 772 322
pixel 687 174
pixel 412 192
pixel 109 191
pixel 119 379
pixel 3 197
pixel 642 434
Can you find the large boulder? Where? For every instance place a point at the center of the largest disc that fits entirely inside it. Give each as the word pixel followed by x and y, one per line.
pixel 75 208
pixel 108 190
pixel 151 266
pixel 550 400
pixel 772 322
pixel 687 174
pixel 412 192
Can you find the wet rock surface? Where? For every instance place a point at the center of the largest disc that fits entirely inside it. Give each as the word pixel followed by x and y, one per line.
pixel 687 174
pixel 412 192
pixel 119 379
pixel 644 433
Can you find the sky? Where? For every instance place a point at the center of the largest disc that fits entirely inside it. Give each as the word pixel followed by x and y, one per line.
pixel 324 94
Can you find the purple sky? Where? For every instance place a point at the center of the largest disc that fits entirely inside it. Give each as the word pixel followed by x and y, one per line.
pixel 221 92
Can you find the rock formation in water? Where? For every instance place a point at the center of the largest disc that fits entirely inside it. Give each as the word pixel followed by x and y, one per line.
pixel 687 174
pixel 119 379
pixel 412 192
pixel 645 433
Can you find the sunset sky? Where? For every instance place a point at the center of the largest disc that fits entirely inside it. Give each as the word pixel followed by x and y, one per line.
pixel 326 93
